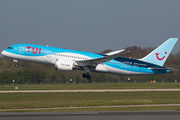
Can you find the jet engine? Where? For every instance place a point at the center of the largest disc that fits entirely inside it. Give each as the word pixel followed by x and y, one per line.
pixel 64 65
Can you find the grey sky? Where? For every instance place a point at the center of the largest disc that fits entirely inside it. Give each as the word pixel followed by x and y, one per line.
pixel 89 25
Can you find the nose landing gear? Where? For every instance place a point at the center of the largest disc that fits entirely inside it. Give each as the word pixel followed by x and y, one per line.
pixel 16 65
pixel 16 61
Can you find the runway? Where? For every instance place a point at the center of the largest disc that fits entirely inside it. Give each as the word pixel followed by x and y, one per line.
pixel 112 106
pixel 97 90
pixel 127 115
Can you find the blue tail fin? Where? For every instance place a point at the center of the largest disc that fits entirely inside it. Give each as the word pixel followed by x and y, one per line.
pixel 160 54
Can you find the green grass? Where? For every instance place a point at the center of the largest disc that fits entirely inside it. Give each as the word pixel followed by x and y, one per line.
pixel 85 86
pixel 47 100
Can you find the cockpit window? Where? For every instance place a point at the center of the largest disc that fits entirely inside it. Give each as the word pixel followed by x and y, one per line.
pixel 10 48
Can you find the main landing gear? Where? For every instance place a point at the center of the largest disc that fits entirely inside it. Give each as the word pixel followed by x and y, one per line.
pixel 84 75
pixel 16 65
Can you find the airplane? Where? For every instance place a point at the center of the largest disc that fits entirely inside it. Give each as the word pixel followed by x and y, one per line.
pixel 68 60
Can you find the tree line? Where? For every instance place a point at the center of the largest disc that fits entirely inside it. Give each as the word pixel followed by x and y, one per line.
pixel 33 73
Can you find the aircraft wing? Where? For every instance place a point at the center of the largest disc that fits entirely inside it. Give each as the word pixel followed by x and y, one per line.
pixel 114 52
pixel 94 62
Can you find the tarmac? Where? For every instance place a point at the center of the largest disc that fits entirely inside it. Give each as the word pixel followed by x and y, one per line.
pixel 125 115
pixel 89 107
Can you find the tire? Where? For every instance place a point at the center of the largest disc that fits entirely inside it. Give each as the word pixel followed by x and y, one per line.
pixel 84 75
pixel 88 77
pixel 16 65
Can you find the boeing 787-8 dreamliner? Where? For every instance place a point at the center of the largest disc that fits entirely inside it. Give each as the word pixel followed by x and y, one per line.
pixel 68 60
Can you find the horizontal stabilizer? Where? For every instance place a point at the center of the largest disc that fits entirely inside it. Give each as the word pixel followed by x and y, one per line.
pixel 161 68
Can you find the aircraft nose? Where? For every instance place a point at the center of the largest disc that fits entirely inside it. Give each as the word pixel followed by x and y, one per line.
pixel 2 52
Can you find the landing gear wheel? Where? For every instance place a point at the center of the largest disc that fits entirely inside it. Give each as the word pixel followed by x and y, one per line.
pixel 16 65
pixel 86 76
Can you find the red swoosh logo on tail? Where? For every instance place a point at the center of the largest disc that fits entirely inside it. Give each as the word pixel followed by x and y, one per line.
pixel 158 56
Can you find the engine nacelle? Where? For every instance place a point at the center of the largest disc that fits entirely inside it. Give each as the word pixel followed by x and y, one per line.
pixel 64 65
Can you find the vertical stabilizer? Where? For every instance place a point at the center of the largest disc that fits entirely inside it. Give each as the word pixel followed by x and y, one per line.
pixel 160 54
